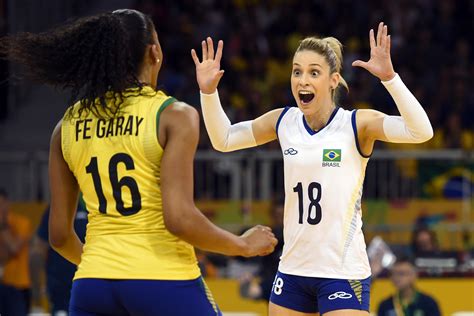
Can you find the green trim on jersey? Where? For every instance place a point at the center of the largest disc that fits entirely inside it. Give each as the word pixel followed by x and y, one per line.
pixel 162 108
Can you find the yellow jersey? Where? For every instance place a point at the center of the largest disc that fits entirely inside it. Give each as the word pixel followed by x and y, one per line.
pixel 117 165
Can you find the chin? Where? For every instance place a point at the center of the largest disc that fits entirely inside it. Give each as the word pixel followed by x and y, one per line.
pixel 307 109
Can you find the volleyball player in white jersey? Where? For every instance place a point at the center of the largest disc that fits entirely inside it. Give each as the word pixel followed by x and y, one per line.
pixel 324 267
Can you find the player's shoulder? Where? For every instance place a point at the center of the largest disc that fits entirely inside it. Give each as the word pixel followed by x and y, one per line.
pixel 368 114
pixel 182 111
pixel 181 114
pixel 182 107
pixel 284 113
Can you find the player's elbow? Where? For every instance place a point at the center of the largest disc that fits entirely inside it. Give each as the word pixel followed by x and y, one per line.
pixel 179 228
pixel 175 223
pixel 424 134
pixel 428 133
pixel 57 238
pixel 222 149
pixel 220 146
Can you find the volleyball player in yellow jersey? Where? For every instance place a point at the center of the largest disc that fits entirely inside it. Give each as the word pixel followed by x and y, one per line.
pixel 130 150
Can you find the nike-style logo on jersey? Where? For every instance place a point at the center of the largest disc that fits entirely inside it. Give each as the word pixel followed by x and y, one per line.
pixel 290 151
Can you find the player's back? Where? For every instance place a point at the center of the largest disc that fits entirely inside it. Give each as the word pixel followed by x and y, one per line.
pixel 116 162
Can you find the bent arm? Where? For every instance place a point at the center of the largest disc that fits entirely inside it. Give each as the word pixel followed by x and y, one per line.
pixel 227 137
pixel 182 218
pixel 64 197
pixel 412 126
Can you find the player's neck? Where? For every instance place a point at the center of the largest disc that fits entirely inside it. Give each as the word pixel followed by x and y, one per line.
pixel 144 76
pixel 320 118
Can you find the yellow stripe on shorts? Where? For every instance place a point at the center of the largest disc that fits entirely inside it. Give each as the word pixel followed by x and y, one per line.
pixel 356 286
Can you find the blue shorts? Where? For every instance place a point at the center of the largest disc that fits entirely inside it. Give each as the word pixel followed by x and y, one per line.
pixel 141 297
pixel 313 295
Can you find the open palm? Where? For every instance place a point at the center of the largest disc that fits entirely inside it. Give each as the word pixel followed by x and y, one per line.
pixel 380 63
pixel 208 72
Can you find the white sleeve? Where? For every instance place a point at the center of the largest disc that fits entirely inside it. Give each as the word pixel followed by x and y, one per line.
pixel 224 136
pixel 413 126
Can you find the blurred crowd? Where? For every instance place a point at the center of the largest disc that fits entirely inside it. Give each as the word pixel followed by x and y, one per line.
pixel 33 277
pixel 431 49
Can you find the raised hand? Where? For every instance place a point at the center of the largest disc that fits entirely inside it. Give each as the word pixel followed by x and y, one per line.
pixel 208 72
pixel 259 240
pixel 380 63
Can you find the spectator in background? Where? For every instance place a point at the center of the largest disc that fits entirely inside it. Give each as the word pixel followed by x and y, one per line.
pixel 424 242
pixel 59 271
pixel 408 301
pixel 14 245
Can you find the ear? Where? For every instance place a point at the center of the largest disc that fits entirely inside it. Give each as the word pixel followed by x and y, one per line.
pixel 335 79
pixel 154 54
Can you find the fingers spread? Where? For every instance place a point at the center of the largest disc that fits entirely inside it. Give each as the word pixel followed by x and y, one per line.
pixel 220 73
pixel 379 34
pixel 220 46
pixel 372 39
pixel 194 56
pixel 204 50
pixel 210 48
pixel 384 37
pixel 389 43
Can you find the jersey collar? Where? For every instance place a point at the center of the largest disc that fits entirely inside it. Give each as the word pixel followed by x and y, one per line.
pixel 313 132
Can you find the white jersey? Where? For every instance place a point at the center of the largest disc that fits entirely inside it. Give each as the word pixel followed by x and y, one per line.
pixel 324 174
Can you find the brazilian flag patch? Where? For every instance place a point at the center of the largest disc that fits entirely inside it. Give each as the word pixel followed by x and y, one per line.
pixel 332 155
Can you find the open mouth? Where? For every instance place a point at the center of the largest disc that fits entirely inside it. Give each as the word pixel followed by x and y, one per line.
pixel 306 96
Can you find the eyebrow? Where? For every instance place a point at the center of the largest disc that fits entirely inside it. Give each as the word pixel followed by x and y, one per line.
pixel 314 64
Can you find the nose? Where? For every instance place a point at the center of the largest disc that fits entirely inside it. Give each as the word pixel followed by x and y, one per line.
pixel 303 80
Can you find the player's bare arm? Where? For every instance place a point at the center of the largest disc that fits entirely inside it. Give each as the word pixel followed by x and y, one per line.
pixel 64 197
pixel 179 133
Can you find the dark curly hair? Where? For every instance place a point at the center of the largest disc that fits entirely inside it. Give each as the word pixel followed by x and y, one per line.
pixel 97 58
